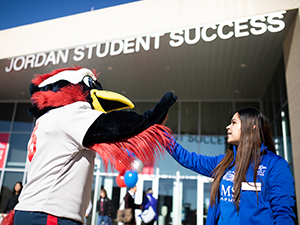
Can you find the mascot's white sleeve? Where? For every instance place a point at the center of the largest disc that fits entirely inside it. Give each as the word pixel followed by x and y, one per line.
pixel 60 173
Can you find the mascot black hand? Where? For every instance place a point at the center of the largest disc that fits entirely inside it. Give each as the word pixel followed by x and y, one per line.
pixel 117 125
pixel 158 114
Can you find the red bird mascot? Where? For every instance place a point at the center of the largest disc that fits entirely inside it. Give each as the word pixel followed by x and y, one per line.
pixel 75 118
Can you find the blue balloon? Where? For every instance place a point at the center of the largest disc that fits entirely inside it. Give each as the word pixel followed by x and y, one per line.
pixel 130 178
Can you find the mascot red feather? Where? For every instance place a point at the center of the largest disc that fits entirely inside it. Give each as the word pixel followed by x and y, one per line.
pixel 75 118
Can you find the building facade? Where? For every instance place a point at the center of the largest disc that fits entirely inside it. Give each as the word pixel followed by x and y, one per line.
pixel 216 56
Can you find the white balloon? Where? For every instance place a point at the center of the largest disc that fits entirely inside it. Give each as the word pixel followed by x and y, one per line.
pixel 137 165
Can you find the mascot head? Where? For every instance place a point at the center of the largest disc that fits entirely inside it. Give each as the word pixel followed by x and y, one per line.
pixel 65 86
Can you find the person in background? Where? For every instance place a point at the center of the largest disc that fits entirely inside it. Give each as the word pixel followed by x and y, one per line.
pixel 149 200
pixel 104 209
pixel 129 203
pixel 13 200
pixel 252 185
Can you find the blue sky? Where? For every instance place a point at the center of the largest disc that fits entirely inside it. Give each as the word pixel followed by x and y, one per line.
pixel 14 13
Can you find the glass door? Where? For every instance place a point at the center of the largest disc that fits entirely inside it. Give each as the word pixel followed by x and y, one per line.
pixel 189 202
pixel 165 201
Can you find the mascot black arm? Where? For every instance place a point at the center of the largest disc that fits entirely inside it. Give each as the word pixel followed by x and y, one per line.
pixel 117 125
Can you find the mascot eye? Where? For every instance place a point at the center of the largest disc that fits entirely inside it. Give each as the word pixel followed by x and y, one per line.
pixel 91 83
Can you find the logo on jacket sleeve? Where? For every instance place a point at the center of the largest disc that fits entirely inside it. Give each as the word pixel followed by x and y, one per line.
pixel 261 170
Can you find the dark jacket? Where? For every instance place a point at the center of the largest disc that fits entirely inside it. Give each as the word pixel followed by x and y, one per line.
pixel 276 199
pixel 129 203
pixel 11 203
pixel 107 207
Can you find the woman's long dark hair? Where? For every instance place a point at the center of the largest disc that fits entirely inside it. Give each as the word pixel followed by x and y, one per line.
pixel 255 130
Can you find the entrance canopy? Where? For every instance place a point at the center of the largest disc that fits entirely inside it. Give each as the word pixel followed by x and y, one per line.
pixel 232 59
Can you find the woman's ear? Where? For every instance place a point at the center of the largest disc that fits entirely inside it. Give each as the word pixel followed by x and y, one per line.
pixel 254 127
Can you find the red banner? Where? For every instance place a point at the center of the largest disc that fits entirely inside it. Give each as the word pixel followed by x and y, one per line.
pixel 3 148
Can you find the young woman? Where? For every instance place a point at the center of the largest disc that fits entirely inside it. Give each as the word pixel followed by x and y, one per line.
pixel 252 185
pixel 13 200
pixel 104 209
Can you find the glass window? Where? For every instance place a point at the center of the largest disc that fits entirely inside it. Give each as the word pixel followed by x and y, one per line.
pixel 17 151
pixel 281 80
pixel 6 116
pixel 189 118
pixel 116 192
pixel 206 197
pixel 23 121
pixel 286 125
pixel 215 116
pixel 268 110
pixel 146 186
pixel 165 201
pixel 190 142
pixel 9 181
pixel 189 202
pixel 213 145
pixel 167 165
pixel 172 121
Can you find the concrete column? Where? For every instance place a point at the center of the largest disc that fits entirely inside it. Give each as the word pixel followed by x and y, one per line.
pixel 292 59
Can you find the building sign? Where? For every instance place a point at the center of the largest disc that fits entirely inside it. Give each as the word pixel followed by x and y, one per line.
pixel 238 28
pixel 3 148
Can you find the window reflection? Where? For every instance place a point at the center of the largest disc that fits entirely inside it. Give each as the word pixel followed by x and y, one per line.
pixel 167 165
pixel 17 151
pixel 206 197
pixel 6 114
pixel 215 116
pixel 165 201
pixel 213 145
pixel 23 121
pixel 189 118
pixel 116 192
pixel 173 118
pixel 275 106
pixel 205 144
pixel 189 202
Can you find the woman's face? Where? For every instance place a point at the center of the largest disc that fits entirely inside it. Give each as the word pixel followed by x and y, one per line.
pixel 234 130
pixel 17 187
pixel 102 194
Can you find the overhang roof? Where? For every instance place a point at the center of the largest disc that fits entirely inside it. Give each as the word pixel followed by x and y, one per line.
pixel 236 68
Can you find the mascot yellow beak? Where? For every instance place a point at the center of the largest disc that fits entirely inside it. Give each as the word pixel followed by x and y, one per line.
pixel 107 101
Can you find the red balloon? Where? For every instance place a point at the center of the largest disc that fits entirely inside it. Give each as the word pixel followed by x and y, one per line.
pixel 120 180
pixel 120 167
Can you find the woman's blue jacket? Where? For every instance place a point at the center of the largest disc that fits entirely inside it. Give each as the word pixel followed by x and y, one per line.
pixel 276 199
